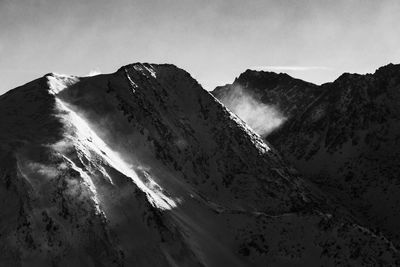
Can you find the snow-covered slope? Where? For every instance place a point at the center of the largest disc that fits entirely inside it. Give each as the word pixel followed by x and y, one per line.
pixel 143 167
pixel 344 138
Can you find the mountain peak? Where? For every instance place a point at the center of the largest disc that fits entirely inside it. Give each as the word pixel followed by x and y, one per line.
pixel 257 79
pixel 271 90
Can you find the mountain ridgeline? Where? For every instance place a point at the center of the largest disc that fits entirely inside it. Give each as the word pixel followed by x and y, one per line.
pixel 143 167
pixel 342 136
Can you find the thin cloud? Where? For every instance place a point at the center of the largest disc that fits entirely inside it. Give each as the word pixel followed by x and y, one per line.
pixel 292 68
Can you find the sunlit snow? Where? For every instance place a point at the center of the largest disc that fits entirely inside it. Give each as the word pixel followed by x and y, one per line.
pixel 58 82
pixel 89 183
pixel 141 68
pixel 87 140
pixel 133 84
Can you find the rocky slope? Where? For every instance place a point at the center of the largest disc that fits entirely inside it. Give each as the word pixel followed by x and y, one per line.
pixel 142 167
pixel 346 142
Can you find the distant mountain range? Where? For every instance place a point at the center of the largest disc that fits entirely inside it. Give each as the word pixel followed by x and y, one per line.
pixel 343 136
pixel 143 167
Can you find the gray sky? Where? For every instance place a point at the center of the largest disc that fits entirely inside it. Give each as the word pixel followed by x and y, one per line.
pixel 214 40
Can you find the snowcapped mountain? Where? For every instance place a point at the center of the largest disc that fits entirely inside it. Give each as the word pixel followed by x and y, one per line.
pixel 142 167
pixel 344 138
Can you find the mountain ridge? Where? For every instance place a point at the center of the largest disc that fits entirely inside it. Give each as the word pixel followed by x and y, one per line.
pixel 344 141
pixel 144 167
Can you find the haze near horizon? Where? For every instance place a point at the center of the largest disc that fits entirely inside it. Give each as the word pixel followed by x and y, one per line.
pixel 213 40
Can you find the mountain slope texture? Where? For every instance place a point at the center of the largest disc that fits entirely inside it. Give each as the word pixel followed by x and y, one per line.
pixel 142 167
pixel 344 138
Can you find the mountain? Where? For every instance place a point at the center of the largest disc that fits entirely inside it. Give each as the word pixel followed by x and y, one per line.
pixel 291 96
pixel 143 167
pixel 345 141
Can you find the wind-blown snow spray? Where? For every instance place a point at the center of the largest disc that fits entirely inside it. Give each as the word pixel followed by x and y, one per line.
pixel 80 135
pixel 262 118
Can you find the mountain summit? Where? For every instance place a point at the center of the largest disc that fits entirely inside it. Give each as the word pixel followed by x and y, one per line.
pixel 288 94
pixel 142 167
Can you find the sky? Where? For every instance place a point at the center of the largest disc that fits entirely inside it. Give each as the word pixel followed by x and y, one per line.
pixel 214 40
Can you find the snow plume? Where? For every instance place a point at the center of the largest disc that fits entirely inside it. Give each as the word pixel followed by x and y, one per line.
pixel 262 118
pixel 58 82
pixel 91 146
pixel 44 170
pixel 94 72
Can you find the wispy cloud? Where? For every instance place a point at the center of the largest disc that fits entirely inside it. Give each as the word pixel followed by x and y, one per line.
pixel 291 68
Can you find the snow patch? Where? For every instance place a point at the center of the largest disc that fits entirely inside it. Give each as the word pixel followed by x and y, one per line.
pixel 151 71
pixel 132 83
pixel 141 69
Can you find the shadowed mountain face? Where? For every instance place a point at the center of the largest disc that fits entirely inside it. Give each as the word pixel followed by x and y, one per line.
pixel 346 141
pixel 143 167
pixel 289 95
